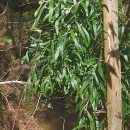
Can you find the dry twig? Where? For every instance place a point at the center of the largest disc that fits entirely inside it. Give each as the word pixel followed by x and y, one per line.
pixel 10 82
pixel 33 112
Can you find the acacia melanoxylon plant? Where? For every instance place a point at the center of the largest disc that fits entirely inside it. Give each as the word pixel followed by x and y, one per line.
pixel 67 57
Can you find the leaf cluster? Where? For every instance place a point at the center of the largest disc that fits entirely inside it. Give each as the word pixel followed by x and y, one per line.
pixel 67 58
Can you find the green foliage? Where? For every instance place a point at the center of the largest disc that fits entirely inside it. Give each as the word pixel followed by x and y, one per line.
pixel 67 58
pixel 125 58
pixel 7 40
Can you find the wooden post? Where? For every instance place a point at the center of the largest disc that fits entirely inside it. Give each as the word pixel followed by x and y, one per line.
pixel 112 64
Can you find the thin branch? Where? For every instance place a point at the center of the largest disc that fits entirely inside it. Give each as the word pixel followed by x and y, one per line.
pixel 34 111
pixel 16 114
pixel 10 82
pixel 7 101
pixel 7 48
pixel 25 86
pixel 63 122
pixel 100 112
pixel 4 10
pixel 27 4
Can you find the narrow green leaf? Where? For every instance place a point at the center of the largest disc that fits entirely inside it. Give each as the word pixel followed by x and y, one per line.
pixel 52 51
pixel 85 6
pixel 92 124
pixel 82 34
pixel 57 26
pixel 126 58
pixel 57 53
pixel 73 35
pixel 45 18
pixel 75 39
pixel 85 86
pixel 75 9
pixel 94 28
pixel 81 108
pixel 38 17
pixel 42 87
pixel 122 31
pixel 51 9
pixel 59 48
pixel 51 87
pixel 87 35
pixel 36 84
pixel 95 77
pixel 90 62
pixel 37 11
pixel 29 90
pixel 100 71
pixel 46 87
pixel 64 72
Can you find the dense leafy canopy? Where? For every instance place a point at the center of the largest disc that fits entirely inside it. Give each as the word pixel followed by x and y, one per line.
pixel 66 54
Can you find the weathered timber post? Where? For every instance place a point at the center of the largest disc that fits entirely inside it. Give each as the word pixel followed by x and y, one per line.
pixel 112 64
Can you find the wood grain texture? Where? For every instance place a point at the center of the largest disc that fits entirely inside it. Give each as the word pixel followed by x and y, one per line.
pixel 112 63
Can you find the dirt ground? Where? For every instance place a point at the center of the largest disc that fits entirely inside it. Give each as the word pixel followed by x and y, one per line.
pixel 30 117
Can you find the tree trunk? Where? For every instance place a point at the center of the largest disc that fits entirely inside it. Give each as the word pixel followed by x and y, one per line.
pixel 112 63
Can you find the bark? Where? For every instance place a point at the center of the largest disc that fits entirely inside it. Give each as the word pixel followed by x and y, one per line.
pixel 112 64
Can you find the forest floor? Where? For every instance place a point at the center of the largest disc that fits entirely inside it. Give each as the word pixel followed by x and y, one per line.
pixel 30 116
pixel 16 115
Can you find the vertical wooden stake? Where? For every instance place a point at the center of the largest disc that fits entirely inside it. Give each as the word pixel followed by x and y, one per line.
pixel 112 64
